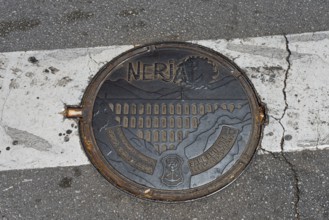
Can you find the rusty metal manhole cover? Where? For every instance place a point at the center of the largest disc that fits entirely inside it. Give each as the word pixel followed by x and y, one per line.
pixel 170 121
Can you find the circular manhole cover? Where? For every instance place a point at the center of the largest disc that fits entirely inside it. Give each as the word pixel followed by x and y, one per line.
pixel 170 121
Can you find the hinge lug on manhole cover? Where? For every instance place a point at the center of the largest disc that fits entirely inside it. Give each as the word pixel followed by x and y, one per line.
pixel 261 117
pixel 72 112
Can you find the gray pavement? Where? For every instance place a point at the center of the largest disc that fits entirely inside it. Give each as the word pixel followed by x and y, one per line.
pixel 264 191
pixel 312 171
pixel 271 188
pixel 35 24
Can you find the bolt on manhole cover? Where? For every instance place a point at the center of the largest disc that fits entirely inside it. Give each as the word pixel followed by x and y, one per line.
pixel 170 121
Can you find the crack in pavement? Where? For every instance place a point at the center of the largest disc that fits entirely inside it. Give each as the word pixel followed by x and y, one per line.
pixel 286 77
pixel 282 153
pixel 90 57
pixel 95 61
pixel 291 166
pixel 269 152
pixel 99 64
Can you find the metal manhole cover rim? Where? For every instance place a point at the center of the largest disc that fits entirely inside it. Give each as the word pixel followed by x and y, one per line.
pixel 127 185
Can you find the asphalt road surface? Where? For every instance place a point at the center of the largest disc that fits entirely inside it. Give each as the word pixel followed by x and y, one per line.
pixel 35 25
pixel 275 186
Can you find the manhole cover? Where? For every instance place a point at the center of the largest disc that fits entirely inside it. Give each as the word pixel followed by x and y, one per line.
pixel 170 121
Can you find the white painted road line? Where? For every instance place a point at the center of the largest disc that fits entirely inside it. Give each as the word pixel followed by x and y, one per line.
pixel 33 92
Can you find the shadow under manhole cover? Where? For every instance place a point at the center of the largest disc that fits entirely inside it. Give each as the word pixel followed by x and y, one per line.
pixel 170 121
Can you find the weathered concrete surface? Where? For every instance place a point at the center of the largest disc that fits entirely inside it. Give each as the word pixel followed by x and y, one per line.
pixel 306 120
pixel 35 86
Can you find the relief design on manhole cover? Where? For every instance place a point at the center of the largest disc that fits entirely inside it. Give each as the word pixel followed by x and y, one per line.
pixel 173 119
